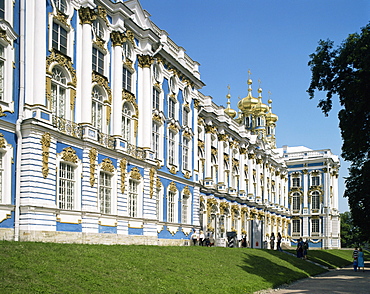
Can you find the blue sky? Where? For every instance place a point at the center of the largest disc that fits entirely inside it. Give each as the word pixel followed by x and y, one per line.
pixel 274 40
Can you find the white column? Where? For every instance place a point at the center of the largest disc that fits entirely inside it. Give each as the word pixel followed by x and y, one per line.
pixel 305 188
pixel 242 184
pixel 250 174
pixel 39 54
pixel 117 84
pixel 144 101
pixel 221 166
pixel 208 150
pixel 83 105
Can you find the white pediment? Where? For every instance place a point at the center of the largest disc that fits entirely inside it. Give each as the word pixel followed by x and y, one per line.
pixel 140 16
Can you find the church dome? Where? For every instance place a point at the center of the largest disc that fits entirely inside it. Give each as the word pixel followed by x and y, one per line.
pixel 247 103
pixel 229 111
pixel 271 117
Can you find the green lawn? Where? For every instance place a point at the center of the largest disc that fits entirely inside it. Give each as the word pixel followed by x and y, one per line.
pixel 28 267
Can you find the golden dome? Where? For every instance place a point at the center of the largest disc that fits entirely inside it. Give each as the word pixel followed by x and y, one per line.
pixel 229 111
pixel 271 117
pixel 247 103
pixel 260 108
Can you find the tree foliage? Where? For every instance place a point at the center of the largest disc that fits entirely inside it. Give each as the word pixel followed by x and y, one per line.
pixel 344 72
pixel 350 234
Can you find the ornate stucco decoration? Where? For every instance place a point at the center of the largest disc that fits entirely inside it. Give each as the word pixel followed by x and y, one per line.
pixel 1 112
pixel 234 144
pixel 260 215
pixel 62 18
pixel 210 129
pixel 196 104
pixel 200 144
pixel 69 154
pixel 259 160
pixel 187 175
pixel 200 121
pixel 45 144
pixel 187 135
pixel 87 15
pixel 129 97
pixel 173 127
pixel 214 151
pixel 2 141
pixel 211 206
pixel 246 168
pixel 122 165
pixel 172 187
pixel 251 156
pixel 135 174
pixel 173 170
pixel 145 61
pixel 151 181
pixel 158 183
pixel 92 158
pixel 224 207
pixel 186 191
pixel 102 14
pixel 107 165
pixel 235 162
pixel 242 150
pixel 226 157
pixel 4 36
pixel 223 137
pixel 156 117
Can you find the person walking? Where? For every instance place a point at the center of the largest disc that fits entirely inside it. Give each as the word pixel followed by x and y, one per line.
pixel 355 259
pixel 360 260
pixel 272 241
pixel 300 248
pixel 305 249
pixel 278 243
pixel 201 238
pixel 194 237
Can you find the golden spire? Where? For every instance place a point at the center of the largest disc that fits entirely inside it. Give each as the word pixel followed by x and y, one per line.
pixel 230 112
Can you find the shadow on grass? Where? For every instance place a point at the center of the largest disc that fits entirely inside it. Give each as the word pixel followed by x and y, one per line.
pixel 280 268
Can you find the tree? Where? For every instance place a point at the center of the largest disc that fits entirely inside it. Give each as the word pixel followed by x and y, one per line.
pixel 349 234
pixel 344 72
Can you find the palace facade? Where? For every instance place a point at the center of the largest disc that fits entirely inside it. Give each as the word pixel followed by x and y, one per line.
pixel 106 138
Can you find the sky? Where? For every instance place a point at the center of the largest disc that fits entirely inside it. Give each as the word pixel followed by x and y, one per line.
pixel 273 39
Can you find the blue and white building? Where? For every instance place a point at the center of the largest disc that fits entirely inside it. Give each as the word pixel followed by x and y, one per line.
pixel 106 137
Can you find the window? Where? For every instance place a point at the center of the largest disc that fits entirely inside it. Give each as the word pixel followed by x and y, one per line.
pixel 315 203
pixel 155 99
pixel 58 92
pixel 132 199
pixel 66 189
pixel 126 79
pixel 171 108
pixel 105 192
pixel 155 139
pixel 60 5
pixel 126 122
pixel 97 108
pixel 185 154
pixel 296 226
pixel 185 209
pixel 171 207
pixel 2 68
pixel 156 73
pixel 296 201
pixel 98 29
pixel 296 182
pixel 315 225
pixel 97 61
pixel 185 117
pixel 171 147
pixel 59 38
pixel 126 50
pixel 315 180
pixel 2 9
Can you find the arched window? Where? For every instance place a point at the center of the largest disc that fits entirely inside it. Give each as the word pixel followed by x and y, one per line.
pixel 58 92
pixel 315 200
pixel 185 209
pixel 66 186
pixel 133 198
pixel 126 122
pixel 171 147
pixel 185 154
pixel 97 108
pixel 155 139
pixel 171 206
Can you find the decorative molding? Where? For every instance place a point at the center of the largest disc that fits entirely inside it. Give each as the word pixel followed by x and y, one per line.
pixel 151 181
pixel 2 112
pixel 86 15
pixel 123 165
pixel 223 137
pixel 107 165
pixel 186 191
pixel 172 187
pixel 92 157
pixel 145 61
pixel 69 154
pixel 45 143
pixel 135 174
pixel 2 141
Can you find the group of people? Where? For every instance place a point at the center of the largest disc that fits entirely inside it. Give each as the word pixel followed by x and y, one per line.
pixel 358 259
pixel 201 240
pixel 278 241
pixel 302 248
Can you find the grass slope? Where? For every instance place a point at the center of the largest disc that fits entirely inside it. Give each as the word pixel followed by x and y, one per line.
pixel 28 267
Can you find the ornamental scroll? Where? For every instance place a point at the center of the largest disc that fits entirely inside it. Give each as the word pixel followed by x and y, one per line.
pixel 45 142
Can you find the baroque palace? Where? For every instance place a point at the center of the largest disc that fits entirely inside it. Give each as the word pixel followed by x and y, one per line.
pixel 106 138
